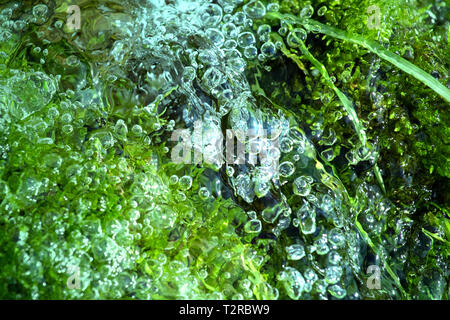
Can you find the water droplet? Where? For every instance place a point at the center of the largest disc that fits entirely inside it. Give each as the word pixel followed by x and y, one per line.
pixel 307 218
pixel 333 274
pixel 322 10
pixel 185 182
pixel 253 226
pixel 302 187
pixel 337 291
pixel 189 74
pixel 212 78
pixel 211 15
pixel 295 252
pixel 203 193
pixel 273 7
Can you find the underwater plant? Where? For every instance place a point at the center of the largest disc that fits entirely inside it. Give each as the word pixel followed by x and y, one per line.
pixel 120 177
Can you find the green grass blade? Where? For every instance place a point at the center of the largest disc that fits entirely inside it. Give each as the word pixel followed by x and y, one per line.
pixel 372 46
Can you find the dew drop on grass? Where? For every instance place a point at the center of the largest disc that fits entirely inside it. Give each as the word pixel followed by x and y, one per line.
pixel 251 52
pixel 215 36
pixel 322 10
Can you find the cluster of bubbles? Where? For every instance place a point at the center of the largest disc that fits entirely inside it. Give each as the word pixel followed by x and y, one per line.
pixel 185 64
pixel 287 164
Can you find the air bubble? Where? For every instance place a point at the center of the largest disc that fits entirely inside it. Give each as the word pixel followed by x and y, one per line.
pixel 321 246
pixel 215 36
pixel 185 182
pixel 230 44
pixel 295 36
pixel 251 52
pixel 264 29
pixel 334 258
pixel 286 145
pixel 268 49
pixel 246 39
pixel 337 291
pixel 273 7
pixel 293 282
pixel 251 215
pixel 307 11
pixel 40 12
pixel 253 226
pixel 239 18
pixel 255 9
pixel 136 130
pixel 283 31
pixel 286 169
pixel 336 237
pixel 212 78
pixel 203 193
